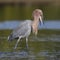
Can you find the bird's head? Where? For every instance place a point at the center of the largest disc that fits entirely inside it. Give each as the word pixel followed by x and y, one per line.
pixel 38 15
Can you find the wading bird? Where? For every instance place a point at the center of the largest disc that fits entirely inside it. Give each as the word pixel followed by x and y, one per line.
pixel 24 29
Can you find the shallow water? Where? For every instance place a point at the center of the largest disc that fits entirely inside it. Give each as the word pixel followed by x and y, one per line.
pixel 43 55
pixel 40 48
pixel 46 46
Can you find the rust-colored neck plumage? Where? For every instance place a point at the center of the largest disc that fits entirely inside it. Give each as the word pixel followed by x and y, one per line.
pixel 35 25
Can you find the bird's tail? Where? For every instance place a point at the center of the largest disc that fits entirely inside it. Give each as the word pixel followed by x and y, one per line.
pixel 9 38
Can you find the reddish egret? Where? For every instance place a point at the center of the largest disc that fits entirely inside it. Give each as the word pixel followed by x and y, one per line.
pixel 24 29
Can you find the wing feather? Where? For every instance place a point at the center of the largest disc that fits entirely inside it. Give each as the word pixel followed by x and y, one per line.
pixel 22 29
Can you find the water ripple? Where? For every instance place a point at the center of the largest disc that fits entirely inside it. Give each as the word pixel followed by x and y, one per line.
pixel 24 54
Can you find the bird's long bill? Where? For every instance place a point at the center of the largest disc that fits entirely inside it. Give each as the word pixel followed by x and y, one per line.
pixel 40 19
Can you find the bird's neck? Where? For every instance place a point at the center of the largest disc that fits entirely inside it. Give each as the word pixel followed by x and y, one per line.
pixel 35 22
pixel 35 26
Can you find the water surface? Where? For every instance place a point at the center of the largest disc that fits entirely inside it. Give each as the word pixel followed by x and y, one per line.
pixel 46 46
pixel 14 24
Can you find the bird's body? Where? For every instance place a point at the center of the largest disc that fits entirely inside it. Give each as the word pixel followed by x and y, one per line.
pixel 24 29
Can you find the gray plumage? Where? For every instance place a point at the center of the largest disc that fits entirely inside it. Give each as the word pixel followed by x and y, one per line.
pixel 22 30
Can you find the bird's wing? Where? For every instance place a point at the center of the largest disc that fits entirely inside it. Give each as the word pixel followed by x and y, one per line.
pixel 22 29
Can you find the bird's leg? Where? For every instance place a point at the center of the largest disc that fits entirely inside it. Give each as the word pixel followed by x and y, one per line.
pixel 17 43
pixel 26 42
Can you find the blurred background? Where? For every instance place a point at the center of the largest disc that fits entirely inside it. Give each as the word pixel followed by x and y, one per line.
pixel 22 9
pixel 12 12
